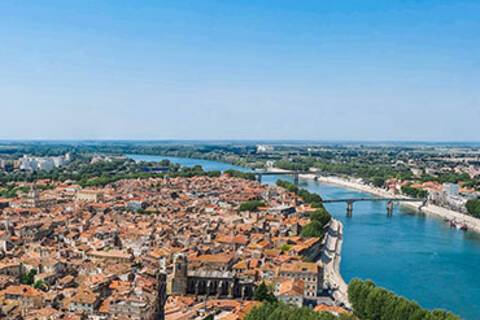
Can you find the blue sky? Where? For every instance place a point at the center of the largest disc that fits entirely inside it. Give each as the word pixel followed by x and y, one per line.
pixel 230 69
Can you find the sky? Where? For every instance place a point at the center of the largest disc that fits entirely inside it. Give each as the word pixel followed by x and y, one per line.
pixel 249 69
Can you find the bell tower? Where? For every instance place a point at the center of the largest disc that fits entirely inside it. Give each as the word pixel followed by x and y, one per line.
pixel 180 276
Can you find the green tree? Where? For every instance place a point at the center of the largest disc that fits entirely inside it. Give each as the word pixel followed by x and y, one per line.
pixel 414 192
pixel 252 205
pixel 321 215
pixel 473 207
pixel 378 181
pixel 313 199
pixel 28 278
pixel 441 315
pixel 261 312
pixel 313 230
pixel 287 185
pixel 264 293
pixel 40 284
pixel 240 174
pixel 280 311
pixel 373 303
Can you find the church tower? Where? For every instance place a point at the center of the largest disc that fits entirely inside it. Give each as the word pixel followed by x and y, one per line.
pixel 180 276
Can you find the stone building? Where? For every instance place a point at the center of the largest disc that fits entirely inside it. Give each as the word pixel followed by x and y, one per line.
pixel 310 273
pixel 218 283
pixel 180 275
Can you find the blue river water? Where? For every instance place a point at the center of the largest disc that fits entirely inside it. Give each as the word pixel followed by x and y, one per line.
pixel 418 257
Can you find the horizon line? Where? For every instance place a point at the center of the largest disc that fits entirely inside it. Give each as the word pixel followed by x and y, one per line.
pixel 70 140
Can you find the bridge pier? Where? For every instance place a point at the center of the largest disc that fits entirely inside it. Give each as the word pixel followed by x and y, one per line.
pixel 390 208
pixel 295 179
pixel 259 178
pixel 349 209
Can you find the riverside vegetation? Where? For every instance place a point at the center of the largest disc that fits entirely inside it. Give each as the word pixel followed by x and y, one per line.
pixel 318 218
pixel 369 302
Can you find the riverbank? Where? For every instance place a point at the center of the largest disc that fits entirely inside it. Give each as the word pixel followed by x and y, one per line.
pixel 472 223
pixel 330 260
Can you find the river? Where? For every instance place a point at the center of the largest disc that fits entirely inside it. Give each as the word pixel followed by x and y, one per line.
pixel 417 257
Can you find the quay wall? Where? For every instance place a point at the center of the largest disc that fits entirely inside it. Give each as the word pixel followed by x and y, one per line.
pixel 330 259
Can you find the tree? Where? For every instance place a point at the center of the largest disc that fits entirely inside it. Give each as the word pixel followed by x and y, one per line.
pixel 442 315
pixel 473 207
pixel 313 230
pixel 264 293
pixel 414 192
pixel 252 205
pixel 240 174
pixel 313 199
pixel 318 220
pixel 28 278
pixel 281 311
pixel 214 174
pixel 290 187
pixel 373 303
pixel 376 301
pixel 321 215
pixel 40 284
pixel 262 312
pixel 378 181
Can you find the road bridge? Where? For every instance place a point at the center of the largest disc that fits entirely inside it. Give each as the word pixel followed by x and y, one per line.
pixel 349 201
pixel 390 202
pixel 295 174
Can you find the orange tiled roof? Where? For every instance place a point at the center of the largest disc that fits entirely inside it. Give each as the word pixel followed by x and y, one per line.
pixel 331 309
pixel 22 290
pixel 291 287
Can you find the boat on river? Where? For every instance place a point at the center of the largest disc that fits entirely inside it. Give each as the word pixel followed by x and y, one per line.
pixel 458 225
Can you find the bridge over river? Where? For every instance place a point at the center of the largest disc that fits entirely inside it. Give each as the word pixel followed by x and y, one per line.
pixel 389 201
pixel 349 201
pixel 295 174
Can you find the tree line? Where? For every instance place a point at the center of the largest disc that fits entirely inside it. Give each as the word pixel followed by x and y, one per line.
pixel 318 218
pixel 281 311
pixel 370 302
pixel 414 192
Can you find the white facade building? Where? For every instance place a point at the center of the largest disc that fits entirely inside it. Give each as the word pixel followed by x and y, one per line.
pixel 263 148
pixel 27 163
pixel 449 197
pixel 45 164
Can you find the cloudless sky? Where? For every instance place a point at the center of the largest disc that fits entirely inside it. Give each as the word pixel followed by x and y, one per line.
pixel 240 69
